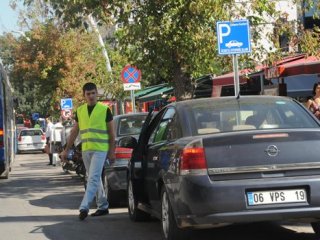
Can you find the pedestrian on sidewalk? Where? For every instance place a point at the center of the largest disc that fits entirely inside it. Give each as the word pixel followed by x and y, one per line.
pixel 94 121
pixel 37 125
pixel 48 134
pixel 313 104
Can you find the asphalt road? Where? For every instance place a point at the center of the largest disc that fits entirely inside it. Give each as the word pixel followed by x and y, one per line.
pixel 41 202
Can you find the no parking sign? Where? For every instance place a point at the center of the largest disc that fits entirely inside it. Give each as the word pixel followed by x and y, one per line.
pixel 66 114
pixel 131 77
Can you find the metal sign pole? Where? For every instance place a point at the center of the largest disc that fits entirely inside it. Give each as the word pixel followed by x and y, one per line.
pixel 236 75
pixel 133 102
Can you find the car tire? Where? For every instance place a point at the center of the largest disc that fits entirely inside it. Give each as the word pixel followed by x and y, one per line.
pixel 170 229
pixel 135 214
pixel 316 228
pixel 112 196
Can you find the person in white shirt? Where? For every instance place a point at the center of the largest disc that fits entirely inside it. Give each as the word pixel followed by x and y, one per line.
pixel 48 134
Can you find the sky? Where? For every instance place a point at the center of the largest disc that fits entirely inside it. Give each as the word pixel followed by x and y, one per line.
pixel 9 17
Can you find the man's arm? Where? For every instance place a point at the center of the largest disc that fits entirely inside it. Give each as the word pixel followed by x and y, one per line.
pixel 73 135
pixel 112 141
pixel 70 141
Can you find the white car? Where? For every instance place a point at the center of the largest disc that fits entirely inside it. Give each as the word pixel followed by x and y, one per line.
pixel 31 139
pixel 233 43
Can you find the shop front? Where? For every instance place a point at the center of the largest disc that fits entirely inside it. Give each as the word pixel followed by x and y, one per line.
pixel 294 76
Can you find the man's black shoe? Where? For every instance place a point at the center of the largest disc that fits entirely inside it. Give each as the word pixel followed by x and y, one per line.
pixel 83 214
pixel 100 213
pixel 49 164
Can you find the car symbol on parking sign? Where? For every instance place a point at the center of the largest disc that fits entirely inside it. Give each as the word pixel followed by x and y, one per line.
pixel 233 43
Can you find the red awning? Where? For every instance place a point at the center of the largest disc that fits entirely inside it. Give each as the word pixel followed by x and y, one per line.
pixel 227 79
pixel 294 66
pixel 289 66
pixel 309 65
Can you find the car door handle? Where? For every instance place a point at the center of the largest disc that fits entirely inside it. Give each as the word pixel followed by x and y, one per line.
pixel 155 158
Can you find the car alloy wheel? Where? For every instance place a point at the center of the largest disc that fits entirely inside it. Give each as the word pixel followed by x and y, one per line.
pixel 170 229
pixel 135 213
pixel 131 203
pixel 165 215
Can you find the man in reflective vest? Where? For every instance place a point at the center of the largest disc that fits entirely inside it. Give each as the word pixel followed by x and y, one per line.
pixel 94 121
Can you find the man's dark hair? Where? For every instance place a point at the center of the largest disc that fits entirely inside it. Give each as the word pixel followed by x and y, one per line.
pixel 89 86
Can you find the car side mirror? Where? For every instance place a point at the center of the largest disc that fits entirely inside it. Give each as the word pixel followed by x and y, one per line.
pixel 127 142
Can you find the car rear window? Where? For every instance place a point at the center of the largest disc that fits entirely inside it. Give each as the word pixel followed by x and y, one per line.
pixel 30 133
pixel 131 125
pixel 230 116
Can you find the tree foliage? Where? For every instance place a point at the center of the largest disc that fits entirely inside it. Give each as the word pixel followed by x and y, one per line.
pixel 175 40
pixel 169 40
pixel 53 65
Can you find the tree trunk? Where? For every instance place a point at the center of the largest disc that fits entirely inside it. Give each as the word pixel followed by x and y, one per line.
pixel 181 83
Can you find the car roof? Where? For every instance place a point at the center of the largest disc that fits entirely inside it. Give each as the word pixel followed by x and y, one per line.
pixel 31 129
pixel 256 98
pixel 131 114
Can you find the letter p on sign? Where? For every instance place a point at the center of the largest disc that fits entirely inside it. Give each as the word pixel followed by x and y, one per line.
pixel 222 33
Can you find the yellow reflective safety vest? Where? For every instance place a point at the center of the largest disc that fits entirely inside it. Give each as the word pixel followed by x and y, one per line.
pixel 93 129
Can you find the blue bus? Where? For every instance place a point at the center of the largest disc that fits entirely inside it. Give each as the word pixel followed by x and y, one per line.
pixel 7 125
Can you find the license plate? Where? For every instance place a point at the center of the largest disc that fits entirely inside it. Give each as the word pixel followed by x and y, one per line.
pixel 276 197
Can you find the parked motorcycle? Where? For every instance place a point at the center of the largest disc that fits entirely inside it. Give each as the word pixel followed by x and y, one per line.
pixel 74 162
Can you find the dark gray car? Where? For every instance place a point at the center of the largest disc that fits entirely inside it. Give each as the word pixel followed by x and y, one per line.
pixel 212 162
pixel 115 179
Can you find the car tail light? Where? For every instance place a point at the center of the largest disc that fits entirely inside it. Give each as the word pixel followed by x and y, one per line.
pixel 1 137
pixel 19 138
pixel 123 153
pixel 43 137
pixel 193 159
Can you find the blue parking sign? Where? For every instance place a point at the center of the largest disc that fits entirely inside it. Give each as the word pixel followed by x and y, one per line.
pixel 233 37
pixel 35 116
pixel 66 103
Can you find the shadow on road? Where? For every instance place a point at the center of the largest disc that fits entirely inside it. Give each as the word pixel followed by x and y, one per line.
pixel 29 185
pixel 114 226
pixel 254 231
pixel 118 226
pixel 69 200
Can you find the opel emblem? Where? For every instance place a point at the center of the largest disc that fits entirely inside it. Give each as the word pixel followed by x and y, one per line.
pixel 272 151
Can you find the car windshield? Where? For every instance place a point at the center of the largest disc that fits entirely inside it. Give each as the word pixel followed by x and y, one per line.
pixel 131 125
pixel 249 114
pixel 30 133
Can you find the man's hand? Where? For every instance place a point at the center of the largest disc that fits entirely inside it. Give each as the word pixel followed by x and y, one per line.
pixel 64 155
pixel 111 156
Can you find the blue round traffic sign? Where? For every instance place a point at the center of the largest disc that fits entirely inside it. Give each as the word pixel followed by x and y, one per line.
pixel 130 74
